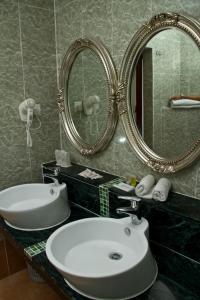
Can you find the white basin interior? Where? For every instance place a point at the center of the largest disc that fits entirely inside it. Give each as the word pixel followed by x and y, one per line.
pixel 103 258
pixel 104 250
pixel 34 206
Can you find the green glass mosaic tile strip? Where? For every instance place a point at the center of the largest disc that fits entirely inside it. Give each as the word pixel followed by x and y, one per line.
pixel 104 196
pixel 35 249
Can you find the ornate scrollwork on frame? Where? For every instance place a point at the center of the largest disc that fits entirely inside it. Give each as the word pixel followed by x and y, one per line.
pixel 87 152
pixel 160 18
pixel 159 167
pixel 120 98
pixel 60 100
pixel 81 43
pixel 84 147
pixel 155 25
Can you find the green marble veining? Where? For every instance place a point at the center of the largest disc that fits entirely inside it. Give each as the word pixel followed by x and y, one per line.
pixel 190 8
pixel 101 12
pixel 115 25
pixel 128 16
pixel 68 25
pixel 9 33
pixel 13 151
pixel 47 4
pixel 27 69
pixel 38 36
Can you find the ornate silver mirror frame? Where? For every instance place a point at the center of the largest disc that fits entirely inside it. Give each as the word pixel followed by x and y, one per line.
pixel 63 101
pixel 145 33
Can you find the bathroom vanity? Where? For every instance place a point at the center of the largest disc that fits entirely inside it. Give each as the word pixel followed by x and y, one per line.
pixel 174 234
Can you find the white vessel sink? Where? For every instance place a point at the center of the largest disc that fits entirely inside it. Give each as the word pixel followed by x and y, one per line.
pixel 103 258
pixel 34 206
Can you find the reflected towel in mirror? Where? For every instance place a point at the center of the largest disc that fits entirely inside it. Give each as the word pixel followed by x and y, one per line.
pixel 184 103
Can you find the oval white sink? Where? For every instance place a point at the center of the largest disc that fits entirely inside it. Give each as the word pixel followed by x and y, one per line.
pixel 35 206
pixel 103 258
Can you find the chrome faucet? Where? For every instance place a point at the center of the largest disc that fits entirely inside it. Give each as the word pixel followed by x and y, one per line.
pixel 131 210
pixel 53 176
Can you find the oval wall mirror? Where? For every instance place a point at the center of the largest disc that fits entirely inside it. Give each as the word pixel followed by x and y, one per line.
pixel 86 97
pixel 159 97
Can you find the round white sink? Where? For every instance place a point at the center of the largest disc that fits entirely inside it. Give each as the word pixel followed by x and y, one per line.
pixel 35 206
pixel 103 258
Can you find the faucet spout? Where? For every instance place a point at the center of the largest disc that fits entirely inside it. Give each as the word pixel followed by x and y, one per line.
pixel 53 176
pixel 133 210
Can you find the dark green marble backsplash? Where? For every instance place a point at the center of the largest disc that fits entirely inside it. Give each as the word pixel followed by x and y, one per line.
pixel 27 69
pixel 114 22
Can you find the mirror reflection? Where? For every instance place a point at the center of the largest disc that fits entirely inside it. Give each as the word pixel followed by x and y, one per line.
pixel 88 96
pixel 165 93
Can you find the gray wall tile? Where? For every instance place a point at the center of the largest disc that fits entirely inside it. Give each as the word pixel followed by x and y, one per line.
pixel 116 27
pixel 47 4
pixel 38 36
pixel 9 34
pixel 17 80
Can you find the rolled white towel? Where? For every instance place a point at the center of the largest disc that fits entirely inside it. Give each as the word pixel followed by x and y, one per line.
pixel 184 103
pixel 145 185
pixel 161 189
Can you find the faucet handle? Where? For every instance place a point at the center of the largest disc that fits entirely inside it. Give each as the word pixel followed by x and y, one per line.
pixel 134 200
pixel 130 198
pixel 56 171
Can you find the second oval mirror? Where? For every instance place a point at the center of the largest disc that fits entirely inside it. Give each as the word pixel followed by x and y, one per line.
pixel 167 69
pixel 159 99
pixel 87 98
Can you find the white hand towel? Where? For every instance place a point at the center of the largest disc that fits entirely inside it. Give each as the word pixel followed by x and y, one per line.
pixel 161 189
pixel 149 194
pixel 145 185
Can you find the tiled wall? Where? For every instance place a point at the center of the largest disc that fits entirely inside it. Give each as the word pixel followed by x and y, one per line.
pixel 115 22
pixel 27 69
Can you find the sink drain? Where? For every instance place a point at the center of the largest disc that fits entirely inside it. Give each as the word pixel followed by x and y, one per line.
pixel 115 256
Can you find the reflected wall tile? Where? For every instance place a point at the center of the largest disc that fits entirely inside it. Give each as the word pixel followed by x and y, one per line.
pixel 38 36
pixel 10 52
pixel 128 16
pixel 47 4
pixel 176 137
